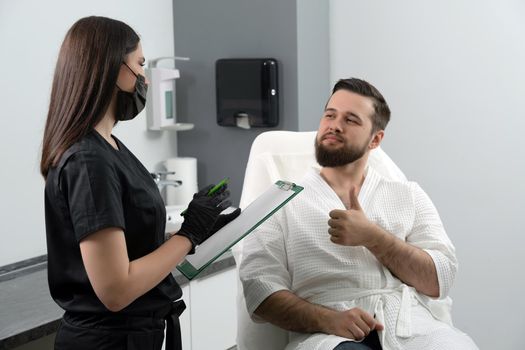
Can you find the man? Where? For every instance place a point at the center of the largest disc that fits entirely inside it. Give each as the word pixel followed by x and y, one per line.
pixel 355 261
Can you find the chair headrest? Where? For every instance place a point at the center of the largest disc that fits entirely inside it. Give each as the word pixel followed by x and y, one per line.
pixel 287 155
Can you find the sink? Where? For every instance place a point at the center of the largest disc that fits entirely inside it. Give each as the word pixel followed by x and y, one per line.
pixel 173 218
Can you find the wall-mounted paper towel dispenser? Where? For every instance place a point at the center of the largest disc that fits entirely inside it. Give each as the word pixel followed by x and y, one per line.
pixel 247 92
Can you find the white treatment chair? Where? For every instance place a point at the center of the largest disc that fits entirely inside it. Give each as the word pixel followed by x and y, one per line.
pixel 282 155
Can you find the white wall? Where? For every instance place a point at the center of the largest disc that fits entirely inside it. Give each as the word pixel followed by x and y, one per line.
pixel 31 33
pixel 453 73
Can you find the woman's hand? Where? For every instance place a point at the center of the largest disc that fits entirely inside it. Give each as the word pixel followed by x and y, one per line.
pixel 202 218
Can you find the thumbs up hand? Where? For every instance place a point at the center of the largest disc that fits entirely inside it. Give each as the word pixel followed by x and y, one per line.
pixel 351 227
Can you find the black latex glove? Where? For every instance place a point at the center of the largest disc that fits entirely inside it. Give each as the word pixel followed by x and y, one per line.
pixel 224 219
pixel 202 218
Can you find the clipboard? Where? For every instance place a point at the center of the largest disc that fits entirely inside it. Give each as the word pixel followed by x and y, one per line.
pixel 273 199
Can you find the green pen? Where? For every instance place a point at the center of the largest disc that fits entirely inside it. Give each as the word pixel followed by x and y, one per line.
pixel 213 190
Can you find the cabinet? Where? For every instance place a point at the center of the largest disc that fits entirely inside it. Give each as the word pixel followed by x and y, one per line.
pixel 210 318
pixel 213 311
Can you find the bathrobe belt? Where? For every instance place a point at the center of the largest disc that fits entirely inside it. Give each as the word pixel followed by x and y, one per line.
pixel 404 314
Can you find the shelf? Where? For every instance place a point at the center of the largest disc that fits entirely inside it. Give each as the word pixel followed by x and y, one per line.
pixel 178 127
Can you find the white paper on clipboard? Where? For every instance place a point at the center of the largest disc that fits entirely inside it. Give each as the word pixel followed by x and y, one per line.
pixel 252 216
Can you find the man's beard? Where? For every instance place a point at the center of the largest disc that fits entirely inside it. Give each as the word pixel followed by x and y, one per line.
pixel 338 157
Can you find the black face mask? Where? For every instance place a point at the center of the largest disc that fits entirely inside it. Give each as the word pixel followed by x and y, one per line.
pixel 129 104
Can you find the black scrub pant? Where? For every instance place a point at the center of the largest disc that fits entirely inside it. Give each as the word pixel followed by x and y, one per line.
pixel 80 331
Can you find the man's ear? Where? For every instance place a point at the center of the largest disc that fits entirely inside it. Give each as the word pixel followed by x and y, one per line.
pixel 376 139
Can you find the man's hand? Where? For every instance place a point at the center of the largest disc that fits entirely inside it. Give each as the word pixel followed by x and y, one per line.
pixel 352 324
pixel 351 227
pixel 288 311
pixel 410 264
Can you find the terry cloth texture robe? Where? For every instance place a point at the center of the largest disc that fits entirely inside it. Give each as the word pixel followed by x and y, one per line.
pixel 292 251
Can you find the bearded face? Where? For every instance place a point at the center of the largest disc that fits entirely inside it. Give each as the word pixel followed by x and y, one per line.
pixel 332 157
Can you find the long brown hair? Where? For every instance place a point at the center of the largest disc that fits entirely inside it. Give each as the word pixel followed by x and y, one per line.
pixel 85 78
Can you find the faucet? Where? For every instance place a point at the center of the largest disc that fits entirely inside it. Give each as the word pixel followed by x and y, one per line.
pixel 160 179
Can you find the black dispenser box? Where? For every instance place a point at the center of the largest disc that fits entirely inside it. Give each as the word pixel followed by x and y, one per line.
pixel 247 87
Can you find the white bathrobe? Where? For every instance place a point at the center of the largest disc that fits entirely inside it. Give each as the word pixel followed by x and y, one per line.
pixel 292 251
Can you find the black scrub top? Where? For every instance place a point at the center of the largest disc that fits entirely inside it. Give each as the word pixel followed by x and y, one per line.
pixel 93 187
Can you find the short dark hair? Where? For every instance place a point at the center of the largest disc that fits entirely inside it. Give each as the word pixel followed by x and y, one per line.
pixel 85 78
pixel 381 117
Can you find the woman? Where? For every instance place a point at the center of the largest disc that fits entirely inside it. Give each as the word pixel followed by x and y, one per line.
pixel 108 264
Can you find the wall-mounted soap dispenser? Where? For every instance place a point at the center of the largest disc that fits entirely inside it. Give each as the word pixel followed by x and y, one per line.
pixel 161 101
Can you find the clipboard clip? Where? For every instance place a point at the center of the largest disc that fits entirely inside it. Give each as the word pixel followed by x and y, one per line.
pixel 286 186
